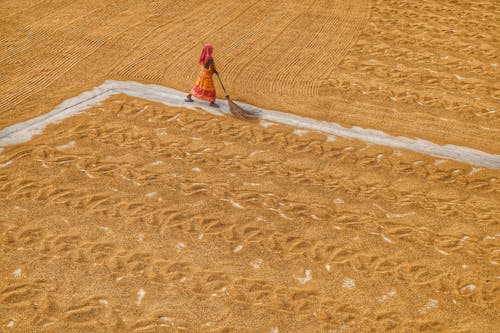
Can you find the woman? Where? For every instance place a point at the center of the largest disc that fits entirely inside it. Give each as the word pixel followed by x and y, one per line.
pixel 204 88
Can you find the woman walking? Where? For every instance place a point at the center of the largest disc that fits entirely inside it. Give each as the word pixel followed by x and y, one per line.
pixel 204 87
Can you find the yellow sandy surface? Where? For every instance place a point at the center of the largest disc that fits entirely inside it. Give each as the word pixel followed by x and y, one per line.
pixel 426 69
pixel 137 217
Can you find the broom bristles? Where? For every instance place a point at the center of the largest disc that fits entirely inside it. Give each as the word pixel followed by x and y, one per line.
pixel 239 112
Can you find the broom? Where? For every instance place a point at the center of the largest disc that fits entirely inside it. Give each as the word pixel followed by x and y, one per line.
pixel 235 109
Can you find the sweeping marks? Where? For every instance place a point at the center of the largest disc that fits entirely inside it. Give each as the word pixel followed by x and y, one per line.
pixel 119 239
pixel 300 176
pixel 24 131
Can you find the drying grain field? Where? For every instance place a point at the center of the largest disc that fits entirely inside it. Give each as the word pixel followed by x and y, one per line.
pixel 134 216
pixel 426 69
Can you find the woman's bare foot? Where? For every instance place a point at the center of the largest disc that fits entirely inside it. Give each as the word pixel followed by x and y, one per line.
pixel 214 105
pixel 188 98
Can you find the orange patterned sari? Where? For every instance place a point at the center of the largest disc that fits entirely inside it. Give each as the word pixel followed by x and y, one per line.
pixel 204 87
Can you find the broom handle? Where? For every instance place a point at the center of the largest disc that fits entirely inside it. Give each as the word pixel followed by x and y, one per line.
pixel 220 81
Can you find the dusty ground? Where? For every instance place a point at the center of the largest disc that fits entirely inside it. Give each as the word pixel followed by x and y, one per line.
pixel 134 216
pixel 227 226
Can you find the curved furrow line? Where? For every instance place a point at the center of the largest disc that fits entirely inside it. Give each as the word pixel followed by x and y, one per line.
pixel 217 37
pixel 16 93
pixel 359 31
pixel 312 43
pixel 61 48
pixel 174 64
pixel 26 90
pixel 286 45
pixel 325 60
pixel 46 34
pixel 314 71
pixel 284 66
pixel 247 76
pixel 58 51
pixel 258 35
pixel 21 6
pixel 247 30
pixel 252 27
pixel 309 69
pixel 172 47
pixel 56 5
pixel 152 47
pixel 156 30
pixel 329 60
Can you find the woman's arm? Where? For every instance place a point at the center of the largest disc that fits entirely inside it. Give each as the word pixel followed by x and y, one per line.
pixel 211 67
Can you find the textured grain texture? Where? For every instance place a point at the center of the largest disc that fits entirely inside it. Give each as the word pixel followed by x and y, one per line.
pixel 137 217
pixel 426 69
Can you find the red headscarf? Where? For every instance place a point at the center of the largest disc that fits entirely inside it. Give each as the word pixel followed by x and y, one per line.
pixel 206 54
